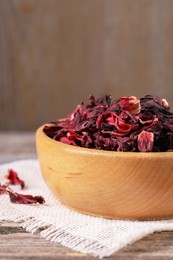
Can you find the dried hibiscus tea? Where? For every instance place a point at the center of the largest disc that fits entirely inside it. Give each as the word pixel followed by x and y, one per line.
pixel 20 198
pixel 131 104
pixel 12 178
pixel 145 141
pixel 127 124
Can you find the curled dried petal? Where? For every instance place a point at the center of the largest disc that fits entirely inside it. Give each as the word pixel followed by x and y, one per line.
pixel 165 103
pixel 25 199
pixel 2 189
pixel 12 178
pixel 20 198
pixel 111 118
pixel 131 104
pixel 145 141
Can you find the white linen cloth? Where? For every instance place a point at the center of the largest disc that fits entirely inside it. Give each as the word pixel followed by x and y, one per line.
pixel 87 234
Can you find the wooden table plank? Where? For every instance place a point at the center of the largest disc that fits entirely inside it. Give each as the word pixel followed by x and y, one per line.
pixel 16 243
pixel 15 146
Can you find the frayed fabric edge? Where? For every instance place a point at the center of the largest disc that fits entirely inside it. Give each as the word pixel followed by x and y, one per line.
pixel 57 234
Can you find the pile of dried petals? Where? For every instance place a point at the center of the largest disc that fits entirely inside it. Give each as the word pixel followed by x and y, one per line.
pixel 125 124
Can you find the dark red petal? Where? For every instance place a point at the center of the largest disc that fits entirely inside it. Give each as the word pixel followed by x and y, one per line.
pixel 3 189
pixel 12 178
pixel 20 198
pixel 25 199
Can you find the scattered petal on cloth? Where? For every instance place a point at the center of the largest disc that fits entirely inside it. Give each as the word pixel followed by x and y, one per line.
pixel 96 236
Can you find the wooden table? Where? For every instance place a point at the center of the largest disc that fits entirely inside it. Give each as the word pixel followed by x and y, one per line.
pixel 16 243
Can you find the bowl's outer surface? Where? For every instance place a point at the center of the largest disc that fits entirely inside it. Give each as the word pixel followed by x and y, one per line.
pixel 116 185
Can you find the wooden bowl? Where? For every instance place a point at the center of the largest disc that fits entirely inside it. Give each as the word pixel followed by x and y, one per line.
pixel 117 185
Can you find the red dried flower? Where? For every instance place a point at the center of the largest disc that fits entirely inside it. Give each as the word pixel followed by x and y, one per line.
pixel 25 199
pixel 12 178
pixel 145 141
pixel 130 104
pixel 21 198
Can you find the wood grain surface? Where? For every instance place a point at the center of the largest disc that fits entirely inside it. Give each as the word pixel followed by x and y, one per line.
pixel 55 53
pixel 17 244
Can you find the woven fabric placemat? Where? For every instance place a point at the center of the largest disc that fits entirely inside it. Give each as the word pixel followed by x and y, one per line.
pixel 87 234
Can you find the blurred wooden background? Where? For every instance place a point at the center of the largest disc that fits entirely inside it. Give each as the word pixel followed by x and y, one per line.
pixel 54 53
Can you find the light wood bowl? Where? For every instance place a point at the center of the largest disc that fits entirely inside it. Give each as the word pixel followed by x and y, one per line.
pixel 117 185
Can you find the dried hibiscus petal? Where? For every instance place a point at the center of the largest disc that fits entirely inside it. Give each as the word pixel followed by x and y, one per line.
pixel 131 104
pixel 2 189
pixel 12 178
pixel 25 199
pixel 145 141
pixel 113 119
pixel 21 198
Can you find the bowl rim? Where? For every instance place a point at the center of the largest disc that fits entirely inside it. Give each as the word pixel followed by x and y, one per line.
pixel 89 151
